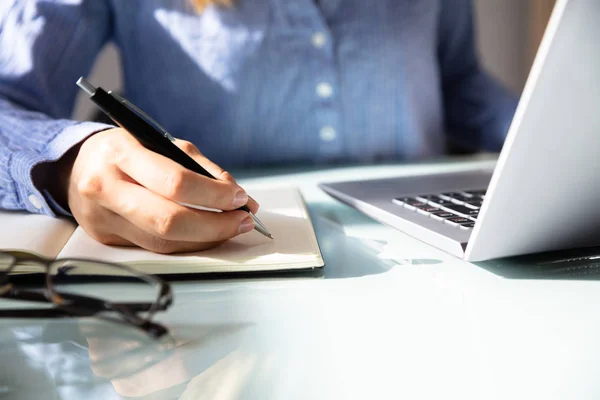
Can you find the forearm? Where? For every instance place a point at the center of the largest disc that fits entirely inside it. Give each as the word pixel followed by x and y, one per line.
pixel 30 143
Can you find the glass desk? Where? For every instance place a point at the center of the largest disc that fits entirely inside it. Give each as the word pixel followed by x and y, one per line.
pixel 389 318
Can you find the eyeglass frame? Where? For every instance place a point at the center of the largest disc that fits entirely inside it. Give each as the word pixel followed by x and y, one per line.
pixel 84 306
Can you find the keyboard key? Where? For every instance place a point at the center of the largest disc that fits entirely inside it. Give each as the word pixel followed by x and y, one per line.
pixel 475 200
pixel 455 196
pixel 413 207
pixel 444 213
pixel 424 198
pixel 441 216
pixel 427 208
pixel 449 195
pixel 474 203
pixel 462 198
pixel 460 220
pixel 439 201
pixel 413 202
pixel 409 202
pixel 461 209
pixel 454 208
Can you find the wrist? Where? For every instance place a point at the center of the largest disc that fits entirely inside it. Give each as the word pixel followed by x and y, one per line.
pixel 57 175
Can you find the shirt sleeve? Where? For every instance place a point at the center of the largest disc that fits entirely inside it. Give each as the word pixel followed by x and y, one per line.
pixel 44 47
pixel 477 109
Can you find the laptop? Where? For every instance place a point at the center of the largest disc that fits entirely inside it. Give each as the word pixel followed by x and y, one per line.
pixel 544 192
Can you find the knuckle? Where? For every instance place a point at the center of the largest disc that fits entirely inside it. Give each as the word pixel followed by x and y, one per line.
pixel 90 186
pixel 127 206
pixel 114 149
pixel 174 183
pixel 188 147
pixel 227 176
pixel 165 224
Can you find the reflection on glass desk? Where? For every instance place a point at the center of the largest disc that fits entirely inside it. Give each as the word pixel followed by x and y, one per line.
pixel 389 317
pixel 577 264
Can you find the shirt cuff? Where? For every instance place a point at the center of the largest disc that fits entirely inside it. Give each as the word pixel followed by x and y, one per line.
pixel 54 206
pixel 32 197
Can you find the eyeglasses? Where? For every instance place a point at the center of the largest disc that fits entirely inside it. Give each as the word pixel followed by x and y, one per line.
pixel 125 295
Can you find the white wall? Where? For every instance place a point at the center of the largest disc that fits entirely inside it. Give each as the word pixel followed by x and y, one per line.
pixel 502 40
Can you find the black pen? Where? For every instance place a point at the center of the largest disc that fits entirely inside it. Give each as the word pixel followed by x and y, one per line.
pixel 150 134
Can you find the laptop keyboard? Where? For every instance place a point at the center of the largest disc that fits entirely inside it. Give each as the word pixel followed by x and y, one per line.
pixel 459 209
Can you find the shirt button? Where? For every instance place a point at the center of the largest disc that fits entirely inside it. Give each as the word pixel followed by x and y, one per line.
pixel 319 40
pixel 324 90
pixel 35 201
pixel 328 133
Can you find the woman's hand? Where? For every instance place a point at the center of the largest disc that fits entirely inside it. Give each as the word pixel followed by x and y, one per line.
pixel 124 194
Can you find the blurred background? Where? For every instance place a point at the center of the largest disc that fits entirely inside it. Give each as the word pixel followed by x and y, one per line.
pixel 508 34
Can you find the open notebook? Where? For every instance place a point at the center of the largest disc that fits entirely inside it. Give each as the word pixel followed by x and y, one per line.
pixel 282 210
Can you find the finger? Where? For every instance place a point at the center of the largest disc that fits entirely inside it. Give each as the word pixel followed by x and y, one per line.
pixel 171 180
pixel 210 166
pixel 213 168
pixel 131 235
pixel 252 204
pixel 168 220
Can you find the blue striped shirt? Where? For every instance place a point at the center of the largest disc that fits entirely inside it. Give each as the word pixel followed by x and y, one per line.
pixel 264 82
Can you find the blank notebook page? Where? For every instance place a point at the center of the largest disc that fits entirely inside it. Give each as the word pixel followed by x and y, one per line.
pixel 282 211
pixel 33 233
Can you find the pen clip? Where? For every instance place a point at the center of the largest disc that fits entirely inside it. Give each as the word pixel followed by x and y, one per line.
pixel 142 115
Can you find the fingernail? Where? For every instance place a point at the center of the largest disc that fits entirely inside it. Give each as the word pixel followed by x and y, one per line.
pixel 246 225
pixel 240 199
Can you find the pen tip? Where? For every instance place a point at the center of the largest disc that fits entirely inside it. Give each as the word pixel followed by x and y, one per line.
pixel 270 236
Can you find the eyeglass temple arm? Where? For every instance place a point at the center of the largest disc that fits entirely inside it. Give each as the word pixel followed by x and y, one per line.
pixel 153 329
pixel 42 313
pixel 92 304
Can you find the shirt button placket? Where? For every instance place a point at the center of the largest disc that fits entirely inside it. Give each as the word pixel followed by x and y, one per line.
pixel 319 39
pixel 328 133
pixel 325 91
pixel 328 116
